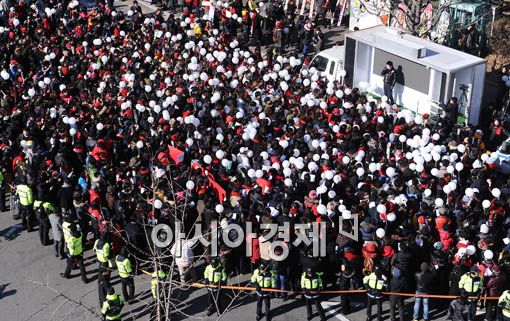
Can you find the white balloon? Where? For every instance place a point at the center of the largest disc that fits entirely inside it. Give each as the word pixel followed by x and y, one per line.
pixel 139 144
pixel 321 209
pixel 158 204
pixel 207 159
pixel 390 171
pixel 470 250
pixel 486 204
pixel 391 217
pixel 381 208
pixel 439 202
pixel 190 185
pixel 496 192
pixel 219 208
pixel 380 233
pixel 220 154
pixel 488 254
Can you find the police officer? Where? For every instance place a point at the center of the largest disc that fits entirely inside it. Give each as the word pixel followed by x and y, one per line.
pixel 389 78
pixel 157 282
pixel 375 283
pixel 112 306
pixel 126 274
pixel 215 276
pixel 74 244
pixel 42 211
pixel 158 289
pixel 470 285
pixel 263 279
pixel 26 199
pixel 504 305
pixel 102 248
pixel 311 283
pixel 103 281
pixel 66 226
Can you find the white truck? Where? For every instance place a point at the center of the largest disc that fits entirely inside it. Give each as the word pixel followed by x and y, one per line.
pixel 503 157
pixel 330 62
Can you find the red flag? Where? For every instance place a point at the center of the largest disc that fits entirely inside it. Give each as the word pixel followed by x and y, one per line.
pixel 176 155
pixel 222 194
pixel 196 165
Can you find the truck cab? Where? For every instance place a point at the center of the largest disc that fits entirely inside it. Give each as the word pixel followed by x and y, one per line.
pixel 330 62
pixel 503 157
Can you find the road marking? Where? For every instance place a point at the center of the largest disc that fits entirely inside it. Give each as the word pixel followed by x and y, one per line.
pixel 338 315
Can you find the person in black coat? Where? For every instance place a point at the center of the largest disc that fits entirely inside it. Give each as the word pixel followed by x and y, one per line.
pixel 345 282
pixel 424 281
pixel 65 196
pixel 398 284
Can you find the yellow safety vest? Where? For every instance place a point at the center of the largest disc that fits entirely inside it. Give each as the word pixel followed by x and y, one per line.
pixel 215 275
pixel 74 245
pixel 113 311
pixel 124 267
pixel 504 303
pixel 25 194
pixel 102 253
pixel 66 230
pixel 311 284
pixel 263 280
pixel 46 206
pixel 154 282
pixel 375 283
pixel 469 284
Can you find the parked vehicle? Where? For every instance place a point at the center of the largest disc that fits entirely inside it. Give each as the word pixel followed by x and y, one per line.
pixel 330 62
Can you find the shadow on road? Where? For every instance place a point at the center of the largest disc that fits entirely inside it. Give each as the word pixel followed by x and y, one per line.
pixel 11 232
pixel 4 293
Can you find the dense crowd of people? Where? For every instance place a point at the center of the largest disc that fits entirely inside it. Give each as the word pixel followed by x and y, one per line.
pixel 112 123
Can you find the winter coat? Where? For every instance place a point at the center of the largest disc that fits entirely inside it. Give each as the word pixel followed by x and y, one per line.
pixel 424 281
pixel 56 230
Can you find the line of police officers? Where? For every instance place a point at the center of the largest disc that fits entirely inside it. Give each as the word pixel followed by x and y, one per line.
pixel 111 303
pixel 462 309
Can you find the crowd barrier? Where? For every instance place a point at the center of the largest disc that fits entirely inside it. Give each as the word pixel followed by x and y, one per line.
pixel 250 288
